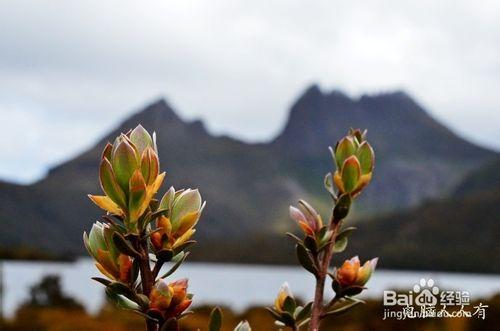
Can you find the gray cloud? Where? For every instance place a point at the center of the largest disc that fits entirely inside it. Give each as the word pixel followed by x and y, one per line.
pixel 71 70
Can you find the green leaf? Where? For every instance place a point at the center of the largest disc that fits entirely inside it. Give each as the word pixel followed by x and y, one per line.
pixel 340 245
pixel 321 233
pixel 124 246
pixel 115 223
pixel 329 186
pixel 165 255
pixel 352 290
pixel 215 323
pixel 345 232
pixel 106 153
pixel 137 196
pixel 351 172
pixel 109 184
pixel 149 166
pixel 108 236
pixel 342 207
pixel 243 326
pixel 186 203
pixel 177 264
pixel 168 199
pixel 289 305
pixel 366 157
pixel 291 235
pixel 124 162
pixel 141 139
pixel 120 301
pixel 179 256
pixel 273 313
pixel 344 149
pixel 304 313
pixel 342 310
pixel 310 243
pixel 143 300
pixel 95 240
pixel 305 259
pixel 103 281
pixel 342 239
pixel 122 289
pixel 184 245
pixel 323 238
pixel 335 284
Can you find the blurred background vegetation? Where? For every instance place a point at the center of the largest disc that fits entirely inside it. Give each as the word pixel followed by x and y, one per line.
pixel 48 309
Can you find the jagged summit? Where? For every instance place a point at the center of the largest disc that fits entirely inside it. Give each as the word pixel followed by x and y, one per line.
pixel 401 94
pixel 317 119
pixel 314 93
pixel 155 115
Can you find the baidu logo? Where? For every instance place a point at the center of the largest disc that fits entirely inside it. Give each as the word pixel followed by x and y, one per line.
pixel 427 293
pixel 427 300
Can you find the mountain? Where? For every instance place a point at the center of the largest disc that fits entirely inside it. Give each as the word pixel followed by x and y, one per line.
pixel 249 186
pixel 241 183
pixel 482 181
pixel 417 157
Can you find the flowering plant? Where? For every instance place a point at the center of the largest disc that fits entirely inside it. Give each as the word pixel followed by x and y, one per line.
pixel 354 159
pixel 139 234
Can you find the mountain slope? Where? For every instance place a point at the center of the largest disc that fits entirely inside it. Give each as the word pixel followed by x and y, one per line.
pixel 455 234
pixel 484 180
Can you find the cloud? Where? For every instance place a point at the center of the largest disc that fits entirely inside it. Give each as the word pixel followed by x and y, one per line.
pixel 72 70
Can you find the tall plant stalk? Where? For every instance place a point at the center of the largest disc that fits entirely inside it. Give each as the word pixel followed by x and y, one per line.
pixel 325 258
pixel 354 160
pixel 139 230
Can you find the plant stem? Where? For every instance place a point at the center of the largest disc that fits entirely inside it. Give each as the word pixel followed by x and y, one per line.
pixel 317 308
pixel 145 269
pixel 318 303
pixel 147 278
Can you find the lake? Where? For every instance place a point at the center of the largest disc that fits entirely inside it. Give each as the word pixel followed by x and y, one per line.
pixel 238 286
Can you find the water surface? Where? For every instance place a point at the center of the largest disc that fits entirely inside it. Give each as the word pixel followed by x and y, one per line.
pixel 238 286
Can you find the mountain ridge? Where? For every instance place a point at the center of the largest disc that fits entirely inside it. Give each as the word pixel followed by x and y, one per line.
pixel 248 186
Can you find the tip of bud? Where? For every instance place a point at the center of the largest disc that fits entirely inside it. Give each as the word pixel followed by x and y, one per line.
pixel 285 290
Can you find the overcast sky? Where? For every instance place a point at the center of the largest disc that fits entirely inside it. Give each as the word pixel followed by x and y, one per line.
pixel 71 70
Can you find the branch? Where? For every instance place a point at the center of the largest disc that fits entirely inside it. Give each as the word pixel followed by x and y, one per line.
pixel 327 254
